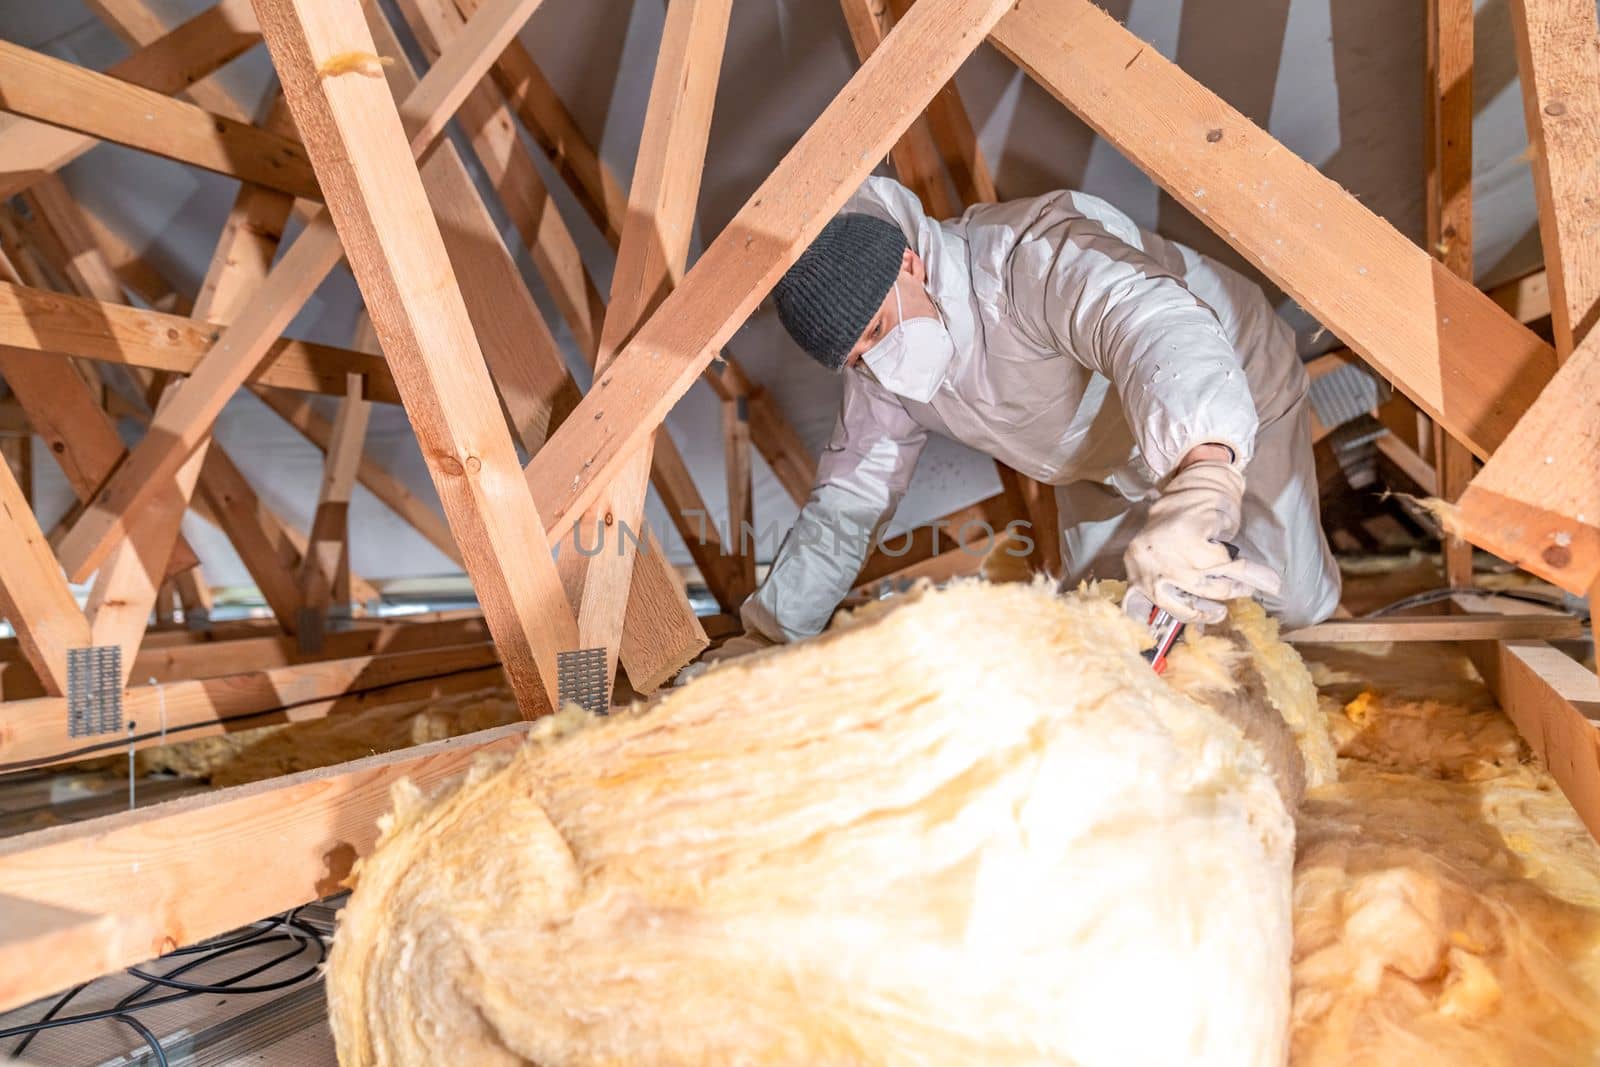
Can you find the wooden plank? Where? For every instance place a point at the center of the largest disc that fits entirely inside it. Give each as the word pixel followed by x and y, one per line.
pixel 508 164
pixel 1448 112
pixel 138 25
pixel 399 260
pixel 328 550
pixel 1527 299
pixel 395 495
pixel 532 97
pixel 651 257
pixel 16 450
pixel 775 438
pixel 239 350
pixel 1441 628
pixel 238 264
pixel 176 864
pixel 741 499
pixel 958 142
pixel 170 64
pixel 33 320
pixel 47 948
pixel 659 632
pixel 76 431
pixel 740 267
pixel 36 730
pixel 555 254
pixel 915 156
pixel 1558 60
pixel 1446 345
pixel 262 539
pixel 1536 503
pixel 34 596
pixel 1555 704
pixel 51 90
pixel 184 655
pixel 130 579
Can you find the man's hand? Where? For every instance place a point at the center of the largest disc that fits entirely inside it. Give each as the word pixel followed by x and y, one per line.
pixel 1179 561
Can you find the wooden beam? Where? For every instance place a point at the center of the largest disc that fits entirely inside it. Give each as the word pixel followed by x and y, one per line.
pixel 740 267
pixel 170 64
pixel 175 865
pixel 1555 704
pixel 399 260
pixel 328 551
pixel 395 495
pixel 1515 627
pixel 33 593
pixel 741 498
pixel 239 263
pixel 1558 60
pixel 659 633
pixel 264 542
pixel 508 164
pixel 1446 345
pixel 556 256
pixel 1536 503
pixel 51 947
pixel 650 259
pixel 51 90
pixel 138 25
pixel 1526 299
pixel 915 156
pixel 33 320
pixel 532 97
pixel 37 735
pixel 186 655
pixel 1448 164
pixel 239 349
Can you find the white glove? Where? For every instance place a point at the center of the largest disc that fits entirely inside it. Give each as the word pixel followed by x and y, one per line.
pixel 1179 561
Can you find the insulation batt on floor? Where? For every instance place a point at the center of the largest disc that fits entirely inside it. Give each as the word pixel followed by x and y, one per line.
pixel 1447 897
pixel 971 828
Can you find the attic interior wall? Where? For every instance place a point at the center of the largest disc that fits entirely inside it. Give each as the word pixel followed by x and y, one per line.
pixel 1344 93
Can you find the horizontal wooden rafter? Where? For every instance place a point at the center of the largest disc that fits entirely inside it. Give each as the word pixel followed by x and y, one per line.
pixel 168 65
pixel 175 866
pixel 38 321
pixel 1440 628
pixel 36 730
pixel 51 90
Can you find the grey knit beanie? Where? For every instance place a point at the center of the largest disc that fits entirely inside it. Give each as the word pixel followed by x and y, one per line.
pixel 830 294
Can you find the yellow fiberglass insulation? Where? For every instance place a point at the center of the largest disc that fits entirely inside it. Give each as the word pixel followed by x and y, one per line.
pixel 966 827
pixel 1447 897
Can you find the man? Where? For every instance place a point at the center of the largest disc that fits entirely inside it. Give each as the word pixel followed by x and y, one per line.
pixel 1154 387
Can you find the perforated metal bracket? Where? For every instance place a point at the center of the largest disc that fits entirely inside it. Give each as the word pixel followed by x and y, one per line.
pixel 341 617
pixel 94 690
pixel 308 631
pixel 581 680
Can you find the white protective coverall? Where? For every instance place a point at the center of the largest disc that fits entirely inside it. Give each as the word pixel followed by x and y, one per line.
pixel 1090 355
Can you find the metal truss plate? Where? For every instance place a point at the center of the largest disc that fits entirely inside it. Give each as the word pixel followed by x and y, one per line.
pixel 581 680
pixel 94 690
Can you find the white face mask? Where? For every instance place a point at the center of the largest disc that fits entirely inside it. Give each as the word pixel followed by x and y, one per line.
pixel 914 358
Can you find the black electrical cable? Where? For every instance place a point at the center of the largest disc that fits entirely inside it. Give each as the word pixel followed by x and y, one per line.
pixel 288 927
pixel 1433 596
